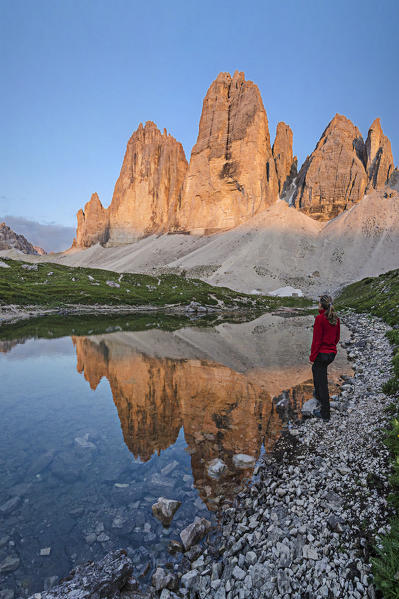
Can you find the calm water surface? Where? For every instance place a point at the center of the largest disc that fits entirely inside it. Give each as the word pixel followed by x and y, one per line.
pixel 95 428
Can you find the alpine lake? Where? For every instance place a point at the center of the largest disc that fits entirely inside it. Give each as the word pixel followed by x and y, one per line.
pixel 101 417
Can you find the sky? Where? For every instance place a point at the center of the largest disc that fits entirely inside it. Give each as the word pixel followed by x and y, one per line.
pixel 77 78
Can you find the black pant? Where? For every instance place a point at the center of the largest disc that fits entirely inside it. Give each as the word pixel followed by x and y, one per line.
pixel 320 381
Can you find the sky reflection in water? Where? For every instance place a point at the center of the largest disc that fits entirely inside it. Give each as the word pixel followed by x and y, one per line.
pixel 95 429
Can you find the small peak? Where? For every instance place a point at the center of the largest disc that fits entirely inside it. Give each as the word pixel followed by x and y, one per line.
pixel 282 128
pixel 150 125
pixel 94 197
pixel 238 77
pixel 339 118
pixel 140 127
pixel 375 127
pixel 376 123
pixel 225 77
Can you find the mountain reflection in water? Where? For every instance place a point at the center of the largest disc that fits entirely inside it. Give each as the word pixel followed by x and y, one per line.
pixel 183 398
pixel 223 412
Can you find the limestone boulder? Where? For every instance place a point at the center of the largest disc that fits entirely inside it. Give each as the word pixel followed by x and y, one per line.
pixel 194 532
pixel 380 165
pixel 102 580
pixel 231 175
pixel 164 510
pixel 334 176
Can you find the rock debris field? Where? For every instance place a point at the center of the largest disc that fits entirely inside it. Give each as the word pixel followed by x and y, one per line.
pixel 304 527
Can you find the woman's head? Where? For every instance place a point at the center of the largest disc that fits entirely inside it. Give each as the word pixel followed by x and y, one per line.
pixel 326 303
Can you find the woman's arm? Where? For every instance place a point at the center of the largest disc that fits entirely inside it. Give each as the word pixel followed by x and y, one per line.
pixel 317 338
pixel 338 334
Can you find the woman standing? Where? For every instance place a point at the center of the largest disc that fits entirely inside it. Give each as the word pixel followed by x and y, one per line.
pixel 326 332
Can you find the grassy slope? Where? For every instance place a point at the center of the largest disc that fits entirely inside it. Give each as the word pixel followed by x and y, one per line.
pixel 380 297
pixel 69 286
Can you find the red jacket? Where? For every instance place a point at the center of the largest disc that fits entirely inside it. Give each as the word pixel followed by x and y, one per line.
pixel 325 336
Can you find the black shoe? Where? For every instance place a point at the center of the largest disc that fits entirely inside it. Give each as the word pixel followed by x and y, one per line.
pixel 318 414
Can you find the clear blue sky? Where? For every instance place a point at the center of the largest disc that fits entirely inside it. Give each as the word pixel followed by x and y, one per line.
pixel 77 77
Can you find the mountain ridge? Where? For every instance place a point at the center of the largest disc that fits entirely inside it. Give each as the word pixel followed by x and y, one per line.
pixel 234 172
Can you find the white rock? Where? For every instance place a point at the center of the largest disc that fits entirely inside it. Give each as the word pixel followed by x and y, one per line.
pixel 216 468
pixel 242 460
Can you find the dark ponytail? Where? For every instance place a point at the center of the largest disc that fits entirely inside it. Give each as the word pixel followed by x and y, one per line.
pixel 327 305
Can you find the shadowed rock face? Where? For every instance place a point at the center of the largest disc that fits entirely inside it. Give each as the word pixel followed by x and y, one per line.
pixel 380 164
pixel 11 240
pixel 286 163
pixel 231 175
pixel 333 177
pixel 93 224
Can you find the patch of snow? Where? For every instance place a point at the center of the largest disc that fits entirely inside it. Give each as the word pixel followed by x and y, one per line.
pixel 286 292
pixel 4 265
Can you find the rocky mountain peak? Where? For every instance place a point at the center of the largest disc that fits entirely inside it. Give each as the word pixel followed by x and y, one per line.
pixel 286 163
pixel 11 240
pixel 231 175
pixel 93 224
pixel 333 177
pixel 148 189
pixel 380 165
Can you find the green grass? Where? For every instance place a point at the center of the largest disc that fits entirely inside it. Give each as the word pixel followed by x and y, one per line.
pixel 377 295
pixel 380 296
pixel 386 564
pixel 72 286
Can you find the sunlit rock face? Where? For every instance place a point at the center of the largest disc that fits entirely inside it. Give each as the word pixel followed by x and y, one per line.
pixel 143 392
pixel 93 224
pixel 234 173
pixel 333 177
pixel 149 186
pixel 380 165
pixel 231 175
pixel 146 193
pixel 286 163
pixel 223 412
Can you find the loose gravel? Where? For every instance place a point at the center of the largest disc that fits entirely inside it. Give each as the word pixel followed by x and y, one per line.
pixel 304 528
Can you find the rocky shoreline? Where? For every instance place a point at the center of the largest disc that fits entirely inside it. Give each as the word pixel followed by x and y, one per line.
pixel 304 527
pixel 11 314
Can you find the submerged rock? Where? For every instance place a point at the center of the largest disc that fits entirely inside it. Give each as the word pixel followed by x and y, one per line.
pixel 164 510
pixel 9 564
pixel 10 505
pixel 161 579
